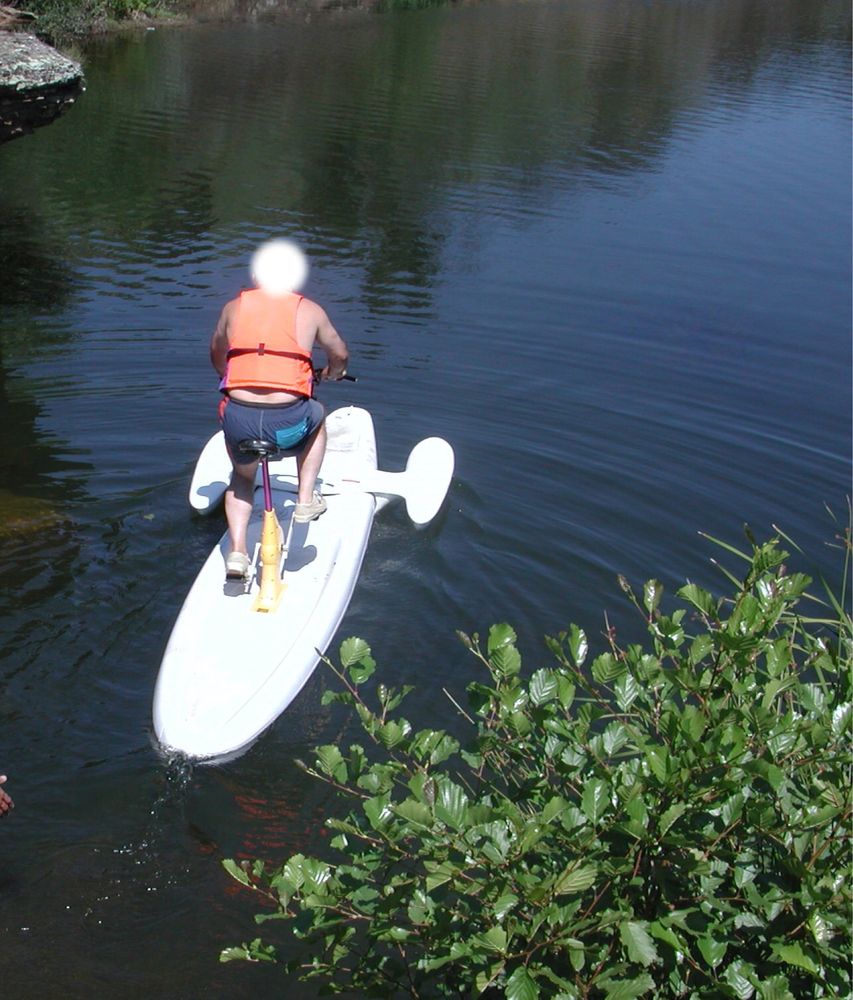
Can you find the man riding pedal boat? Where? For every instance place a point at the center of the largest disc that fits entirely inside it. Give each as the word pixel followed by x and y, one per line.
pixel 261 348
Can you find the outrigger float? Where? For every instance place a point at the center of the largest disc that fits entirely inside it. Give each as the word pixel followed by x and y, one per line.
pixel 240 651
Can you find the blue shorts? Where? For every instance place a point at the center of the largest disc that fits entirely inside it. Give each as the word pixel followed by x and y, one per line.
pixel 290 425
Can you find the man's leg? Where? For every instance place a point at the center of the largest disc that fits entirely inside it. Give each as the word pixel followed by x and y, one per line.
pixel 238 504
pixel 308 464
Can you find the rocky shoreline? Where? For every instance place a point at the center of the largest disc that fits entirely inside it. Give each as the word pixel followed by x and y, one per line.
pixel 37 83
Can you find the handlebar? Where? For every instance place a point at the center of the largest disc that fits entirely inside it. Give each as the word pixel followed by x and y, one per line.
pixel 318 375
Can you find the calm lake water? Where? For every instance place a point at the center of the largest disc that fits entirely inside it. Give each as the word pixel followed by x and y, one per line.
pixel 601 247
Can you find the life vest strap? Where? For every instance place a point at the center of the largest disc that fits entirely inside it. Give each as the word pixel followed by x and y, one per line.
pixel 261 350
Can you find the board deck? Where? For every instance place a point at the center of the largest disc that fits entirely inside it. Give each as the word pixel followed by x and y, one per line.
pixel 228 672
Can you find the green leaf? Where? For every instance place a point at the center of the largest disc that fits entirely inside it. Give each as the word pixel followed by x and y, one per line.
pixel 392 732
pixel 414 812
pixel 775 989
pixel 606 668
pixel 700 599
pixel 431 964
pixel 317 874
pixel 712 951
pixel 353 650
pixel 506 661
pixel 292 871
pixel 666 934
pixel 500 636
pixel 521 986
pixel 700 648
pixel 614 737
pixel 543 686
pixel 485 977
pixel 451 804
pixel 658 761
pixel 628 989
pixel 444 748
pixel 553 808
pixel 739 975
pixel 234 954
pixel 577 954
pixel 693 723
pixel 638 944
pixel 793 954
pixel 821 931
pixel 565 691
pixel 575 880
pixel 777 686
pixel 378 811
pixel 439 874
pixel 494 939
pixel 652 593
pixel 627 690
pixel 503 905
pixel 732 809
pixel 513 699
pixel 497 840
pixel 637 823
pixel 773 775
pixel 842 719
pixel 364 896
pixel 671 815
pixel 567 989
pixel 595 800
pixel 329 757
pixel 578 645
pixel 533 832
pixel 236 871
pixel 257 951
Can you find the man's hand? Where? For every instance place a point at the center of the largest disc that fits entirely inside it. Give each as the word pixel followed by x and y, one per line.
pixel 330 374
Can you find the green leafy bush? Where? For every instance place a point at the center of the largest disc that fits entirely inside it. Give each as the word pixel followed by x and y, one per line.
pixel 669 821
pixel 64 20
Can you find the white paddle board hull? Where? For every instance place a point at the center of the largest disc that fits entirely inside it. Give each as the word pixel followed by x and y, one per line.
pixel 228 672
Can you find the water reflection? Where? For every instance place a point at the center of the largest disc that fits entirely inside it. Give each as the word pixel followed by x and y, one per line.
pixel 362 151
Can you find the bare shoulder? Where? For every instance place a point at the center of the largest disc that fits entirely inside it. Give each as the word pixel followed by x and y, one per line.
pixel 230 309
pixel 226 318
pixel 311 314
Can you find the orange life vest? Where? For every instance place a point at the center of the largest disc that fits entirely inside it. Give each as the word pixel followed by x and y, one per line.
pixel 263 352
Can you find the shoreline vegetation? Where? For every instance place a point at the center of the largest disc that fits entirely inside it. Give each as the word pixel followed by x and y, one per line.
pixel 61 22
pixel 664 819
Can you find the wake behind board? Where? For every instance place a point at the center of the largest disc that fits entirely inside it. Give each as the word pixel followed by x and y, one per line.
pixel 228 672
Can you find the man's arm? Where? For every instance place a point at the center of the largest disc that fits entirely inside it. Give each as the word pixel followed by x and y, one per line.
pixel 219 340
pixel 333 344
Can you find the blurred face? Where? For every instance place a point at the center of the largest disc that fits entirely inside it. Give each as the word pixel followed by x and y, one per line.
pixel 279 267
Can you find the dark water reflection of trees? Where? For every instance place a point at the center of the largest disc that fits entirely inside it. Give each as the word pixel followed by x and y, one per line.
pixel 37 285
pixel 349 126
pixel 352 128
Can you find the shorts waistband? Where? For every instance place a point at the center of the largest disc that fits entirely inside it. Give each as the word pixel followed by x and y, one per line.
pixel 265 406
